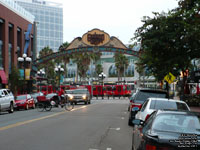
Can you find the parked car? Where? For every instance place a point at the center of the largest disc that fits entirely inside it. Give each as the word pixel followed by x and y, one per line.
pixel 78 95
pixel 167 130
pixel 7 102
pixel 35 95
pixel 140 97
pixel 153 104
pixel 24 101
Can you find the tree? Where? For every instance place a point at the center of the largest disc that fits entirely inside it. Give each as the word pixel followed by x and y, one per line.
pixel 121 63
pixel 98 69
pixel 170 40
pixel 48 67
pixel 14 80
pixel 65 59
pixel 83 61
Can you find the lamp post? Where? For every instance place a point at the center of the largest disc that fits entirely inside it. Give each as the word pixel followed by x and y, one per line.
pixel 24 59
pixel 59 70
pixel 102 76
pixel 41 74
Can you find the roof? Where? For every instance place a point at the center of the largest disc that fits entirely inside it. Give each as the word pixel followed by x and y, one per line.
pixel 181 112
pixel 166 99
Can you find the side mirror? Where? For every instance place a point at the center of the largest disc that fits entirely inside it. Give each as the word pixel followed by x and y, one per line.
pixel 135 109
pixel 138 122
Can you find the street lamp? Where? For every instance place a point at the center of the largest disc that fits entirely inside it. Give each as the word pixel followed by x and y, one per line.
pixel 59 70
pixel 24 59
pixel 102 76
pixel 41 74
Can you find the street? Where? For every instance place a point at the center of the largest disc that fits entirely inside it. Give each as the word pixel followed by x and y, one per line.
pixel 102 125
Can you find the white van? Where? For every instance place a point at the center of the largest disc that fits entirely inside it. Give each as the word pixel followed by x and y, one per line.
pixel 6 100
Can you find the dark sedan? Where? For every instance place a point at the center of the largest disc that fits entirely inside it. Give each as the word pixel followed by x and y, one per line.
pixel 167 130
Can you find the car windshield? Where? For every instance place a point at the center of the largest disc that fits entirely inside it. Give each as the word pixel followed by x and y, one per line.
pixel 50 95
pixel 77 92
pixel 180 123
pixel 35 94
pixel 160 104
pixel 21 97
pixel 143 95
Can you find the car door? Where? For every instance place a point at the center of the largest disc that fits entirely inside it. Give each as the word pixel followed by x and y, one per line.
pixel 141 114
pixel 2 100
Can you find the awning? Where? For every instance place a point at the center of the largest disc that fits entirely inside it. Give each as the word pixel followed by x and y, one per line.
pixel 3 77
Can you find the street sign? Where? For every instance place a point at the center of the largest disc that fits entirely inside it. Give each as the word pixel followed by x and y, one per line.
pixel 169 78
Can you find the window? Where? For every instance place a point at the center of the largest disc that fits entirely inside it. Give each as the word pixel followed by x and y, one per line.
pixel 144 106
pixel 1 55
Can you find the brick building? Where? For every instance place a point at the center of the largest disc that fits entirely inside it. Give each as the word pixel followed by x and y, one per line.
pixel 14 21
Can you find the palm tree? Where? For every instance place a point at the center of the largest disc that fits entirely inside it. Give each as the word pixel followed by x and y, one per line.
pixel 65 59
pixel 49 67
pixel 121 63
pixel 83 61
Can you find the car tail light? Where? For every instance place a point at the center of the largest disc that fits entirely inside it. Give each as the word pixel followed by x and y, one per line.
pixel 150 147
pixel 136 105
pixel 147 117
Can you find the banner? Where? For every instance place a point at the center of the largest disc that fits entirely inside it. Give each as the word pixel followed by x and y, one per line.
pixel 27 74
pixel 21 73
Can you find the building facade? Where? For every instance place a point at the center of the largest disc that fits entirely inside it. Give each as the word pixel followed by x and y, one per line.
pixel 14 21
pixel 49 19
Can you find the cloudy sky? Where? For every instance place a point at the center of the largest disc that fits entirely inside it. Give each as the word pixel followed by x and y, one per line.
pixel 119 18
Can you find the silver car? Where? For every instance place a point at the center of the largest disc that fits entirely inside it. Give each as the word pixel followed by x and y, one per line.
pixel 78 95
pixel 153 104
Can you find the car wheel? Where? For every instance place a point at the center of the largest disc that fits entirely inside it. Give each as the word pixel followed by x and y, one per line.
pixel 27 107
pixel 33 106
pixel 89 102
pixel 86 103
pixel 129 122
pixel 11 110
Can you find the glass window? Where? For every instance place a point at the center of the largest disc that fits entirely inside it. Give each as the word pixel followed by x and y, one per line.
pixel 10 56
pixel 181 123
pixel 42 33
pixel 1 55
pixel 144 106
pixel 46 33
pixel 159 104
pixel 47 19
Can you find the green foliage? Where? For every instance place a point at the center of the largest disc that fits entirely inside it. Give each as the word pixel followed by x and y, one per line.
pixel 98 69
pixel 48 67
pixel 121 63
pixel 14 80
pixel 169 40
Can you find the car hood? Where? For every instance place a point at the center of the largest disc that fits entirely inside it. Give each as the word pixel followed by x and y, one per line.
pixel 20 101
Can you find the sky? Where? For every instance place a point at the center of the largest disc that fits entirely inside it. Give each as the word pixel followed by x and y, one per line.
pixel 119 18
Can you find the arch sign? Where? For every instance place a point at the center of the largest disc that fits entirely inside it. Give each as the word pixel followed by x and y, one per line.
pixel 93 41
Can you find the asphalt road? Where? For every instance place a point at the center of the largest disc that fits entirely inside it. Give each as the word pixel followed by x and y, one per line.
pixel 102 125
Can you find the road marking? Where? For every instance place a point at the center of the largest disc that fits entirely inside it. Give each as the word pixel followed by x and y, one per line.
pixel 125 112
pixel 37 119
pixel 115 129
pixel 93 149
pixel 122 117
pixel 109 149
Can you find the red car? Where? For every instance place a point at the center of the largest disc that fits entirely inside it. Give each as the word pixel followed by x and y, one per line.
pixel 24 101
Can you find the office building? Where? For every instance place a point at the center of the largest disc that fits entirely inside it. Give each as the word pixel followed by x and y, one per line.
pixel 49 19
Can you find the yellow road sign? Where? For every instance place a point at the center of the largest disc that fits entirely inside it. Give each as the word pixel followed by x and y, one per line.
pixel 169 78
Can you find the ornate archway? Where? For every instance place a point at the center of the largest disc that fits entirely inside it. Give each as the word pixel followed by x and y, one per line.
pixel 93 41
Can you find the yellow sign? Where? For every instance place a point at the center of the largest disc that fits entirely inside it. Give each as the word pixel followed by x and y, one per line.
pixel 169 78
pixel 27 74
pixel 96 37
